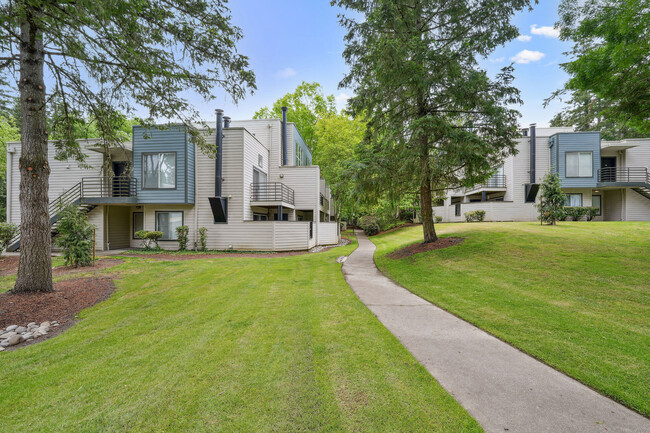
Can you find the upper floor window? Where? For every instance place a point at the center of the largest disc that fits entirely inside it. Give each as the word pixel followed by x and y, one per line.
pixel 579 164
pixel 159 170
pixel 260 161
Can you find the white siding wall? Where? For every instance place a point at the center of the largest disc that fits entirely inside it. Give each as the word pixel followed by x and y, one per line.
pixel 494 211
pixel 96 218
pixel 252 149
pixel 637 207
pixel 328 233
pixel 64 174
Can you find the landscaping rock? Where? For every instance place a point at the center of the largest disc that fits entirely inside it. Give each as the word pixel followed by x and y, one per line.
pixel 7 335
pixel 27 335
pixel 21 330
pixel 45 325
pixel 15 340
pixel 1 348
pixel 4 343
pixel 11 328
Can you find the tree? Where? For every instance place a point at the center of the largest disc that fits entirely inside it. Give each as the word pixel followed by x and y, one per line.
pixel 435 120
pixel 75 237
pixel 105 59
pixel 610 57
pixel 552 199
pixel 586 112
pixel 305 106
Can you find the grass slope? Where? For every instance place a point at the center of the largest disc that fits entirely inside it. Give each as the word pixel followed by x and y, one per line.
pixel 233 344
pixel 576 295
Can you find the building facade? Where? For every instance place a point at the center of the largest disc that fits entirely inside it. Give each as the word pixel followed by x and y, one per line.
pixel 612 176
pixel 259 191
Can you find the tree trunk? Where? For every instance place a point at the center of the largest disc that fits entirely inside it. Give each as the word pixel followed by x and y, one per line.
pixel 35 268
pixel 426 206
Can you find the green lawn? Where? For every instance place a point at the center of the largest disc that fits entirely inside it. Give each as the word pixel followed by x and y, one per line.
pixel 576 295
pixel 229 344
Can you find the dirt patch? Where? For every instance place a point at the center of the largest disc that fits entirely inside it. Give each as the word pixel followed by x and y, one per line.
pixel 397 228
pixel 9 266
pixel 68 298
pixel 422 247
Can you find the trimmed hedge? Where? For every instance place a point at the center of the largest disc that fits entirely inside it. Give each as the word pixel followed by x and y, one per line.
pixel 475 215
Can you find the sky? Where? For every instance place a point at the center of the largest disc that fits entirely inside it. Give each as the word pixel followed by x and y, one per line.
pixel 292 41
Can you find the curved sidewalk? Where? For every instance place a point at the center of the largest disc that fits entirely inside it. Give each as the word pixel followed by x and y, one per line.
pixel 501 387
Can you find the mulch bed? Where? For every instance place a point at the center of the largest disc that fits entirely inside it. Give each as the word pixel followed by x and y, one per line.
pixel 68 298
pixel 422 247
pixel 9 266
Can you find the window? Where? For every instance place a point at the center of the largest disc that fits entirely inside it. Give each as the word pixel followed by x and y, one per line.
pixel 573 200
pixel 138 222
pixel 159 170
pixel 260 217
pixel 457 209
pixel 260 161
pixel 596 202
pixel 166 222
pixel 579 164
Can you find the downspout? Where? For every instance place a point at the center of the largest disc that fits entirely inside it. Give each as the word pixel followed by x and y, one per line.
pixel 532 152
pixel 284 136
pixel 218 172
pixel 196 197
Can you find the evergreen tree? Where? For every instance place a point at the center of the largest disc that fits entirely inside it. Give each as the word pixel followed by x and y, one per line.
pixel 552 199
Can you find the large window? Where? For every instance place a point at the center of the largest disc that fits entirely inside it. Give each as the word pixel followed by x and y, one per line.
pixel 573 200
pixel 138 222
pixel 166 222
pixel 579 164
pixel 159 170
pixel 596 202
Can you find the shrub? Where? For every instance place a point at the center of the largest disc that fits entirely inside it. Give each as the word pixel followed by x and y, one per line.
pixel 203 238
pixel 592 212
pixel 8 231
pixel 369 224
pixel 75 237
pixel 438 218
pixel 149 239
pixel 576 213
pixel 182 233
pixel 476 215
pixel 552 199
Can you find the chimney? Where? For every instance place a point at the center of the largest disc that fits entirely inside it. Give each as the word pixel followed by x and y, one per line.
pixel 226 122
pixel 532 152
pixel 284 137
pixel 219 204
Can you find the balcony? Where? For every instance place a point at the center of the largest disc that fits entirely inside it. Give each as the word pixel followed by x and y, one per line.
pixel 495 183
pixel 271 193
pixel 623 176
pixel 109 190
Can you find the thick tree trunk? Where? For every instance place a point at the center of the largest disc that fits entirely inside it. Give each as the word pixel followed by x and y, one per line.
pixel 35 268
pixel 426 205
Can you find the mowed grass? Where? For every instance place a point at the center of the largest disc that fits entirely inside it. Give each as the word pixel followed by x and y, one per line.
pixel 576 295
pixel 233 345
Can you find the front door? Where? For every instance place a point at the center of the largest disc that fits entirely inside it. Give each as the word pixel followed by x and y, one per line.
pixel 120 182
pixel 608 169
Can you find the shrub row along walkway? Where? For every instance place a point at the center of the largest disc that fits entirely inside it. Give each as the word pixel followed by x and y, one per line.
pixel 503 388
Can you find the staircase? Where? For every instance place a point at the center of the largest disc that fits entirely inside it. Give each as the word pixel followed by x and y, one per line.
pixel 644 190
pixel 69 197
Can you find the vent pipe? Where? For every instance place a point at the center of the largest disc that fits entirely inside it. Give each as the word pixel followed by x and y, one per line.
pixel 226 122
pixel 218 172
pixel 532 152
pixel 284 137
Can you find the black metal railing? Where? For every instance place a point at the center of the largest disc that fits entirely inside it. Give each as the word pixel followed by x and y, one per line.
pixel 116 186
pixel 272 191
pixel 496 181
pixel 624 174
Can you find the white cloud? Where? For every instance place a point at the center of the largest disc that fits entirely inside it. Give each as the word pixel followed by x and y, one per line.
pixel 285 73
pixel 526 56
pixel 342 100
pixel 547 31
pixel 524 38
pixel 497 60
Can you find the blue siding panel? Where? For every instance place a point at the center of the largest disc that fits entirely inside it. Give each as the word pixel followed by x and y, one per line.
pixel 174 139
pixel 562 143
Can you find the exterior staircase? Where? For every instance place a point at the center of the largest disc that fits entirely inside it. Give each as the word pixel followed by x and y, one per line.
pixel 644 190
pixel 69 197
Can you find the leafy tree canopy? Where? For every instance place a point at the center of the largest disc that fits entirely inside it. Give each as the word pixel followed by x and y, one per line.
pixel 610 57
pixel 435 120
pixel 305 106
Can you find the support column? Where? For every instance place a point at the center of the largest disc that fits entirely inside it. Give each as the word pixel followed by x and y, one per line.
pixel 484 196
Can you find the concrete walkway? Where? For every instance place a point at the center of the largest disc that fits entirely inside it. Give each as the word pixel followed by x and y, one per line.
pixel 501 387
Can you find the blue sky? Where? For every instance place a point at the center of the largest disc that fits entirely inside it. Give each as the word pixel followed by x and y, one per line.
pixel 300 40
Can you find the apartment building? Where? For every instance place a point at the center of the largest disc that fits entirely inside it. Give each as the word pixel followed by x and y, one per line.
pixel 260 191
pixel 612 176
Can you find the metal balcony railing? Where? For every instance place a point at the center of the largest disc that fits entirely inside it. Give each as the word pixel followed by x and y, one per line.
pixel 624 174
pixel 116 186
pixel 272 191
pixel 496 181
